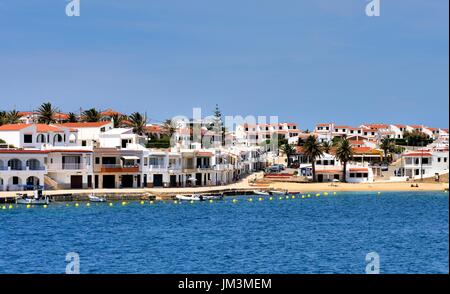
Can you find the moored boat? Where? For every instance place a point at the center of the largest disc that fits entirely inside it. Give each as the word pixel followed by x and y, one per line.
pixel 94 198
pixel 259 192
pixel 38 198
pixel 276 192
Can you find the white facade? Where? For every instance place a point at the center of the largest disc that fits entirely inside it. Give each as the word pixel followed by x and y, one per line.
pixel 21 169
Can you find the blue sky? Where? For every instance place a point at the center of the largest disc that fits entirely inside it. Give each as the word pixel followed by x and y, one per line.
pixel 305 61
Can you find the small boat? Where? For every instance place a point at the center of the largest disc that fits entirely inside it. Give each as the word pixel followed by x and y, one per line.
pixel 259 192
pixel 37 199
pixel 213 197
pixel 276 192
pixel 193 197
pixel 93 198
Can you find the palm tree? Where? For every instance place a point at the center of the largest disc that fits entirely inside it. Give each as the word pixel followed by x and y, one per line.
pixel 169 127
pixel 326 146
pixel 13 117
pixel 312 149
pixel 117 119
pixel 344 153
pixel 46 113
pixel 3 118
pixel 91 115
pixel 138 122
pixel 72 117
pixel 387 146
pixel 288 150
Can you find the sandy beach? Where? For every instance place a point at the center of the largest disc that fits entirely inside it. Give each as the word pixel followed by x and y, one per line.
pixel 247 185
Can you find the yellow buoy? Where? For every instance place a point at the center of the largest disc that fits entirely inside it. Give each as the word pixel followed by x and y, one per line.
pixel 309 195
pixel 318 194
pixel 280 198
pixel 88 204
pixel 175 202
pixel 67 205
pixel 287 197
pixel 3 207
pixel 110 204
pixel 260 199
pixel 303 196
pixel 325 193
pixel 142 202
pixel 293 196
pixel 379 193
pixel 28 205
pixel 270 198
pixel 76 204
pixel 124 203
pixel 192 201
pixel 250 199
pixel 45 205
pixel 334 193
pixel 235 200
pixel 211 201
pixel 11 206
pixel 151 202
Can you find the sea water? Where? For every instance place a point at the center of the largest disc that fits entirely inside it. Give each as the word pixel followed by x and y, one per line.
pixel 325 234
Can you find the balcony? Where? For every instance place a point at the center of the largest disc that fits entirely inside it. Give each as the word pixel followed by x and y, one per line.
pixel 118 168
pixel 157 167
pixel 223 167
pixel 23 168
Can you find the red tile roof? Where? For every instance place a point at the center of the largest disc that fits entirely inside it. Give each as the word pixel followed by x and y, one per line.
pixel 415 154
pixel 85 124
pixel 13 127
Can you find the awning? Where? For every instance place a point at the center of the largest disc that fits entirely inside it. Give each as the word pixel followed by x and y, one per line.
pixel 130 157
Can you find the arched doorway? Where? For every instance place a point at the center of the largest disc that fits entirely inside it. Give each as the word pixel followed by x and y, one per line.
pixel 32 182
pixel 15 164
pixel 40 138
pixel 33 164
pixel 57 138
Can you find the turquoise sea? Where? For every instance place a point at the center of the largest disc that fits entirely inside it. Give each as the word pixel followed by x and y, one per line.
pixel 326 234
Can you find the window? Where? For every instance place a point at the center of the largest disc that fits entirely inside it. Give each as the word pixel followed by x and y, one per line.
pixel 445 159
pixel 83 143
pixel 102 129
pixel 439 159
pixel 27 138
pixel 97 160
pixel 424 160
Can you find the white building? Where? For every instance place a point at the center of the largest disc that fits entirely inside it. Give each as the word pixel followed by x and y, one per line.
pixel 89 132
pixel 38 136
pixel 424 163
pixel 21 169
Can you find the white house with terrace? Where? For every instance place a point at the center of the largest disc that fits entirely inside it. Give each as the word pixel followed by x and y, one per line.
pixel 22 169
pixel 38 136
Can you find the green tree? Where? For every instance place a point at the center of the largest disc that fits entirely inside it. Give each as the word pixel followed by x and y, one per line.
pixel 12 117
pixel 387 146
pixel 416 138
pixel 138 122
pixel 46 113
pixel 3 118
pixel 91 115
pixel 312 149
pixel 288 150
pixel 326 146
pixel 118 119
pixel 344 153
pixel 72 117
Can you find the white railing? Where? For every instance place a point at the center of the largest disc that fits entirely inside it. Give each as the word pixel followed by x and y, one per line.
pixel 157 167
